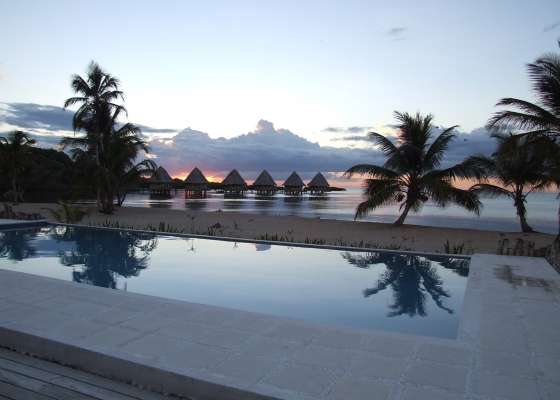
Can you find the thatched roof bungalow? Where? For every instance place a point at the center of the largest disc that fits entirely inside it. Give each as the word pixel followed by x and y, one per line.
pixel 161 183
pixel 293 185
pixel 196 183
pixel 264 184
pixel 234 183
pixel 318 184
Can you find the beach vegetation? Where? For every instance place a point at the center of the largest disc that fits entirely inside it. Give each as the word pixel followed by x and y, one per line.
pixel 67 213
pixel 457 248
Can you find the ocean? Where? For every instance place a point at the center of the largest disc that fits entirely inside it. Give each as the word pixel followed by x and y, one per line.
pixel 497 214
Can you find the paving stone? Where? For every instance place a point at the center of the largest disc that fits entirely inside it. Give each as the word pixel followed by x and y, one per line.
pixel 146 322
pixel 294 332
pixel 444 353
pixel 424 393
pixel 490 385
pixel 339 338
pixel 548 369
pixel 183 357
pixel 335 359
pixel 352 388
pixel 550 391
pixel 244 369
pixel 249 322
pixel 301 378
pixel 371 366
pixel 389 346
pixel 111 337
pixel 265 346
pixel 505 364
pixel 113 316
pixel 443 376
pixel 82 309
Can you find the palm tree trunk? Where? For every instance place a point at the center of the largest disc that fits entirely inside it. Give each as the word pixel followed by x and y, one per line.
pixel 557 239
pixel 522 214
pixel 402 217
pixel 14 187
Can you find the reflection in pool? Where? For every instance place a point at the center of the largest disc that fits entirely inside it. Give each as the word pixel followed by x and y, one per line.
pixel 367 290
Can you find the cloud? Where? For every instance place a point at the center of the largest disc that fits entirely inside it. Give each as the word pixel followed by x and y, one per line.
pixel 278 150
pixel 349 129
pixel 149 129
pixel 551 27
pixel 354 138
pixel 37 117
pixel 396 33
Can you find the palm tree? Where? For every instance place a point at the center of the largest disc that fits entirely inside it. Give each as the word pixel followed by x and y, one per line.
pixel 519 167
pixel 540 117
pixel 113 147
pixel 97 95
pixel 13 149
pixel 410 175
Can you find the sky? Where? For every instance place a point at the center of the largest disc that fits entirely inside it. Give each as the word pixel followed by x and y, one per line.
pixel 320 70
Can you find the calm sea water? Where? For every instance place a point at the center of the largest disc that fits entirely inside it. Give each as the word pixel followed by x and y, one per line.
pixel 368 290
pixel 497 214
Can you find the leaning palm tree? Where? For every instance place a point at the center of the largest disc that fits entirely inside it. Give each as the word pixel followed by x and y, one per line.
pixel 519 167
pixel 411 175
pixel 13 149
pixel 542 116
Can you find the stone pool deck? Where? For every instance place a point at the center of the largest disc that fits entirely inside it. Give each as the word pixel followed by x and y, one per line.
pixel 508 344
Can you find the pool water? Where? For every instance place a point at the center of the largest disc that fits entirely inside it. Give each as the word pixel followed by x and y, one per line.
pixel 366 290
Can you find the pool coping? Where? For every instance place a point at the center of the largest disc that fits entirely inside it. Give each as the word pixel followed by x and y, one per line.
pixel 21 223
pixel 485 361
pixel 271 242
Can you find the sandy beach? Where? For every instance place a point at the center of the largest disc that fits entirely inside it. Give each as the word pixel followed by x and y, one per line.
pixel 308 230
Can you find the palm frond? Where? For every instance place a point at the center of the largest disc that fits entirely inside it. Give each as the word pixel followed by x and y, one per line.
pixel 490 190
pixel 379 192
pixel 373 171
pixel 437 149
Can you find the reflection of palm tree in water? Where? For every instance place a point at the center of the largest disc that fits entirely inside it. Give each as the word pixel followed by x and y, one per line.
pixel 411 278
pixel 107 255
pixel 16 245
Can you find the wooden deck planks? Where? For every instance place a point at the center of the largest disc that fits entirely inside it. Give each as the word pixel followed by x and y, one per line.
pixel 23 377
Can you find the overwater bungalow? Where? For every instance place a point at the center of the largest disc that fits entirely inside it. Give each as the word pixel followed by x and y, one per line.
pixel 233 183
pixel 196 184
pixel 161 184
pixel 293 185
pixel 264 184
pixel 318 185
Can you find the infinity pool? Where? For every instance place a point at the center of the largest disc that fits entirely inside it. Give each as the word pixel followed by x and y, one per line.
pixel 367 290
